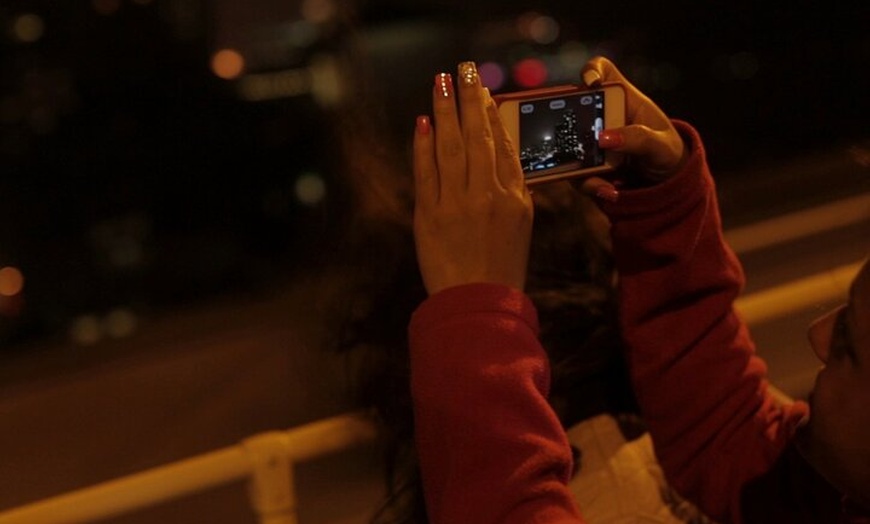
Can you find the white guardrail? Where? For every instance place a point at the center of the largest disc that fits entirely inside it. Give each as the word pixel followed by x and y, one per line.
pixel 267 459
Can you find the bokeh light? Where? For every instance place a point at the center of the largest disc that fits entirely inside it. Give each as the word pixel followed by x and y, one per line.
pixel 106 7
pixel 120 323
pixel 573 56
pixel 557 72
pixel 318 11
pixel 310 189
pixel 492 75
pixel 544 30
pixel 326 85
pixel 86 330
pixel 272 86
pixel 28 28
pixel 538 28
pixel 530 72
pixel 11 281
pixel 228 64
pixel 302 33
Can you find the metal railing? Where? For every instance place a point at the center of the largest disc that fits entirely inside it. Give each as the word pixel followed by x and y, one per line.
pixel 266 459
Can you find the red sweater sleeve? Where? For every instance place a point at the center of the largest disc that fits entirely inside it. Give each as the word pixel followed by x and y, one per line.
pixel 491 450
pixel 702 389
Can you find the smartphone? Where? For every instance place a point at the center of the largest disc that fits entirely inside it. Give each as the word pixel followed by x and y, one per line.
pixel 556 129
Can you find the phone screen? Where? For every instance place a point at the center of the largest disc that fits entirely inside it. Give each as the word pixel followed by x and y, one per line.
pixel 561 133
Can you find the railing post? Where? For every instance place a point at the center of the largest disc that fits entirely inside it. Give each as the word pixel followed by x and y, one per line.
pixel 271 488
pixel 266 459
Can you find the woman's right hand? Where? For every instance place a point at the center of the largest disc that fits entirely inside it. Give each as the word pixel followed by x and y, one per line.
pixel 473 212
pixel 649 137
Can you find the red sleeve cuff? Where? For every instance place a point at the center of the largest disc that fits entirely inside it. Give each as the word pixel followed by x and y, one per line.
pixel 472 299
pixel 685 184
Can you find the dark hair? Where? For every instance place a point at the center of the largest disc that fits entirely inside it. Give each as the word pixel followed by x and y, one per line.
pixel 571 281
pixel 369 278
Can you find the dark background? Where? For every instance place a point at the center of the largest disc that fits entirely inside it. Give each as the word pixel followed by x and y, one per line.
pixel 133 179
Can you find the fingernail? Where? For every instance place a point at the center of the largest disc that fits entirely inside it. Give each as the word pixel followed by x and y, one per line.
pixel 488 97
pixel 610 139
pixel 591 78
pixel 607 193
pixel 444 84
pixel 424 127
pixel 468 74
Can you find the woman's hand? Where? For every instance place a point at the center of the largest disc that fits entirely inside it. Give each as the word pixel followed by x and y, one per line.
pixel 649 137
pixel 473 213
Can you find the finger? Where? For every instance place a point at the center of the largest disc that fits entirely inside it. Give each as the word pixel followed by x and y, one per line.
pixel 600 70
pixel 426 190
pixel 653 148
pixel 476 131
pixel 599 188
pixel 449 145
pixel 507 162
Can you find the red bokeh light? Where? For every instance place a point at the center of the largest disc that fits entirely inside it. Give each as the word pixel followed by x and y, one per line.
pixel 530 72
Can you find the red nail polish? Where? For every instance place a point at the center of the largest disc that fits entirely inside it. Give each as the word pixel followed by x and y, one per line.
pixel 610 139
pixel 607 193
pixel 444 84
pixel 424 127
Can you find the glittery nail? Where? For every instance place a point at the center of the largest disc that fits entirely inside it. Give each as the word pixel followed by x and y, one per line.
pixel 468 74
pixel 444 84
pixel 488 97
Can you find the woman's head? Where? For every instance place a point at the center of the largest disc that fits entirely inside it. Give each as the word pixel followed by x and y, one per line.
pixel 837 439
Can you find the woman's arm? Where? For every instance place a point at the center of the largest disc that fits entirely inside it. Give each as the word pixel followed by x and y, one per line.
pixel 702 389
pixel 491 449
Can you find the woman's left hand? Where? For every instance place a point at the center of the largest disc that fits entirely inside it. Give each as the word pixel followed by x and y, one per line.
pixel 473 212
